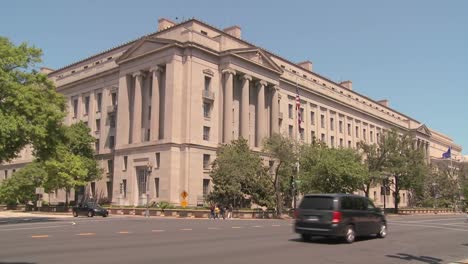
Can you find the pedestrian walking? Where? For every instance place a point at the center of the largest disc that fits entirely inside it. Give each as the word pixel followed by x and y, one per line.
pixel 222 210
pixel 212 212
pixel 230 209
pixel 216 212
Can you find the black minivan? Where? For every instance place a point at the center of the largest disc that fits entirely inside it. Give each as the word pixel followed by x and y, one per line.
pixel 339 215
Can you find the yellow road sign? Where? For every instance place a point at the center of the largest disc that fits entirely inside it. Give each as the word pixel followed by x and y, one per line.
pixel 184 203
pixel 184 194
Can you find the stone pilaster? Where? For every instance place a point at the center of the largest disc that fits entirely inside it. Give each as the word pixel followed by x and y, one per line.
pixel 261 121
pixel 275 110
pixel 228 98
pixel 244 116
pixel 123 111
pixel 155 102
pixel 137 103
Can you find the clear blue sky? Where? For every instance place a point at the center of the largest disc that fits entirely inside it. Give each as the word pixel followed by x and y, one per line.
pixel 414 53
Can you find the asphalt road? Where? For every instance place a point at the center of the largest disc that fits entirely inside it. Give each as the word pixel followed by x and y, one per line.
pixel 411 239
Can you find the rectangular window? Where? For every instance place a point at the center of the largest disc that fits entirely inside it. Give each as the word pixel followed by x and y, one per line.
pixel 114 99
pixel 378 138
pixel 6 174
pixel 86 104
pixel 340 126
pixel 290 111
pixel 206 161
pixel 111 142
pixel 332 124
pixel 301 133
pixel 322 121
pixel 349 143
pixel 109 189
pixel 206 187
pixel 148 134
pixel 156 186
pixel 372 136
pixel 207 83
pixel 290 131
pixel 332 141
pixel 158 159
pixel 93 189
pixel 312 118
pixel 206 110
pixel 312 135
pixel 98 125
pixel 96 145
pixel 125 160
pixel 341 142
pixel 99 102
pixel 75 108
pixel 349 129
pixel 112 121
pixel 149 112
pixel 364 134
pixel 124 188
pixel 357 132
pixel 301 112
pixel 322 138
pixel 206 133
pixel 110 166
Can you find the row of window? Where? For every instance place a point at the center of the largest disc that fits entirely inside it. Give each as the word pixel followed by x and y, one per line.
pixel 98 103
pixel 6 175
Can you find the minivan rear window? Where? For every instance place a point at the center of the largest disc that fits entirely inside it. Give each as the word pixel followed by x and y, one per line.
pixel 317 203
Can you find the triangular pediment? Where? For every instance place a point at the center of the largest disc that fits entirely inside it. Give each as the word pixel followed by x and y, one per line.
pixel 257 56
pixel 423 129
pixel 144 46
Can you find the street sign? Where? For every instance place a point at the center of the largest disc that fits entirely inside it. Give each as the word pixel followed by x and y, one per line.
pixel 184 194
pixel 184 203
pixel 39 190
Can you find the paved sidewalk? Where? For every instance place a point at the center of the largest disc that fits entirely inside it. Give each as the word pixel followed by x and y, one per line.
pixel 33 214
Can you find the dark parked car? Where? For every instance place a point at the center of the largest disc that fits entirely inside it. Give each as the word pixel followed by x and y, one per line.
pixel 339 215
pixel 90 210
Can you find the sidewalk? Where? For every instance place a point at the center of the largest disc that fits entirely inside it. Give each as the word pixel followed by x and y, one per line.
pixel 33 214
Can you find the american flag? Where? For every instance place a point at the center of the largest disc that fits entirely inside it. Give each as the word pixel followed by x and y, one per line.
pixel 298 108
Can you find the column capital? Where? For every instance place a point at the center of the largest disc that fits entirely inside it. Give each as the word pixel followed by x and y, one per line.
pixel 138 74
pixel 246 77
pixel 156 69
pixel 228 71
pixel 262 83
pixel 276 88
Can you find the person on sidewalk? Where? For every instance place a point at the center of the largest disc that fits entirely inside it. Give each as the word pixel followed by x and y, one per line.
pixel 217 212
pixel 212 212
pixel 230 209
pixel 222 210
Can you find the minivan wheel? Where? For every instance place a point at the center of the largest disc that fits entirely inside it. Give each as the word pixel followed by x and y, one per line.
pixel 383 230
pixel 306 237
pixel 350 234
pixel 90 213
pixel 75 214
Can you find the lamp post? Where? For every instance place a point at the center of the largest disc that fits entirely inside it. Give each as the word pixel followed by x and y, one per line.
pixel 148 169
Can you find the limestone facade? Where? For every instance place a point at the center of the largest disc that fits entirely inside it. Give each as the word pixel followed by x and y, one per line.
pixel 161 105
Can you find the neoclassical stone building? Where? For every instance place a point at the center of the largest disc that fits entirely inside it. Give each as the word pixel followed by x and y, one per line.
pixel 162 104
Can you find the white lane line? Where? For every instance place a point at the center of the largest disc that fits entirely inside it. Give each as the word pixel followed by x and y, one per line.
pixel 428 220
pixel 157 230
pixel 29 228
pixel 40 236
pixel 213 228
pixel 123 232
pixel 257 226
pixel 186 229
pixel 275 225
pixel 440 227
pixel 236 227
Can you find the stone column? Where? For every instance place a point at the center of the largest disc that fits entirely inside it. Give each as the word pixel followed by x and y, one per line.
pixel 136 117
pixel 123 111
pixel 428 157
pixel 275 110
pixel 92 113
pixel 261 128
pixel 228 98
pixel 244 117
pixel 155 102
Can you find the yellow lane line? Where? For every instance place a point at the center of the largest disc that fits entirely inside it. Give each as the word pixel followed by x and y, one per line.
pixel 86 234
pixel 40 236
pixel 236 227
pixel 186 229
pixel 123 232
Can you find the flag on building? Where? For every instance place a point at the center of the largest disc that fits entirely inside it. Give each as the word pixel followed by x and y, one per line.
pixel 448 154
pixel 298 108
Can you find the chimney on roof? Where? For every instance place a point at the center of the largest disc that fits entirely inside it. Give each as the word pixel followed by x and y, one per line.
pixel 383 102
pixel 164 23
pixel 347 84
pixel 45 70
pixel 305 65
pixel 234 31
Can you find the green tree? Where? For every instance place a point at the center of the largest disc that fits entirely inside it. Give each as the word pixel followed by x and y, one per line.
pixel 21 186
pixel 31 111
pixel 238 176
pixel 330 170
pixel 282 151
pixel 375 158
pixel 73 165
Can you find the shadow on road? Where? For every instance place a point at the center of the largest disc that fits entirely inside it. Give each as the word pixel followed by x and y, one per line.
pixel 24 220
pixel 329 241
pixel 465 244
pixel 409 257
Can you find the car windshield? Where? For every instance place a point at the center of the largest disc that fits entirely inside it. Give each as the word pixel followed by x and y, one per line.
pixel 317 203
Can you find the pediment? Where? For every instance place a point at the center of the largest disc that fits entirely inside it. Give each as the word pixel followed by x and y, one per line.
pixel 257 56
pixel 144 46
pixel 423 129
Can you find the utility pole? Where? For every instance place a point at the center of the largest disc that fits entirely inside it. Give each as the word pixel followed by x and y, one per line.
pixel 147 176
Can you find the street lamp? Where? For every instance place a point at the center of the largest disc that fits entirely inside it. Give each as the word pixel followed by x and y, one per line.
pixel 148 169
